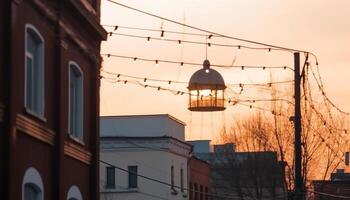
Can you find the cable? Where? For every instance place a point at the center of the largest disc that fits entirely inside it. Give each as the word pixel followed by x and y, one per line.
pixel 157 61
pixel 329 195
pixel 138 191
pixel 116 27
pixel 162 182
pixel 177 92
pixel 145 79
pixel 208 44
pixel 207 31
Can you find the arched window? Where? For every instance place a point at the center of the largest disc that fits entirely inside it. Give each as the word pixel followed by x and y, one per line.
pixel 74 193
pixel 76 101
pixel 32 185
pixel 34 71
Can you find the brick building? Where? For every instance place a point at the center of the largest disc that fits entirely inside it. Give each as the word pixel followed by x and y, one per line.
pixel 49 99
pixel 198 173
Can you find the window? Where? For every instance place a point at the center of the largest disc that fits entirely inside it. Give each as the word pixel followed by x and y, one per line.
pixel 182 180
pixel 74 193
pixel 195 191
pixel 76 101
pixel 32 185
pixel 206 193
pixel 172 177
pixel 191 191
pixel 31 192
pixel 200 192
pixel 110 173
pixel 34 71
pixel 132 176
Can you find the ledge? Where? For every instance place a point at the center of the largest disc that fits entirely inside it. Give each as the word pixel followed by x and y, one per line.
pixel 77 152
pixel 89 14
pixel 34 129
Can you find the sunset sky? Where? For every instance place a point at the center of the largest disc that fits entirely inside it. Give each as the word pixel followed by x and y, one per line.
pixel 318 26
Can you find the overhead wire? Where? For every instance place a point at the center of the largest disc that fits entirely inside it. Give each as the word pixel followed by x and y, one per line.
pixel 180 63
pixel 165 183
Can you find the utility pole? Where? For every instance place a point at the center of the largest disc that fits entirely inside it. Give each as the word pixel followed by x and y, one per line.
pixel 298 179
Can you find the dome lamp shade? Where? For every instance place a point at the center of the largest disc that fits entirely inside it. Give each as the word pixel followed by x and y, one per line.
pixel 206 90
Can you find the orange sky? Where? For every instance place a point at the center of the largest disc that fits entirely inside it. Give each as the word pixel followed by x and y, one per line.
pixel 319 26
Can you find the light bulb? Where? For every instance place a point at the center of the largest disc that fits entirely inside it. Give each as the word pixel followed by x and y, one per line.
pixel 182 65
pixel 204 93
pixel 162 35
pixel 207 71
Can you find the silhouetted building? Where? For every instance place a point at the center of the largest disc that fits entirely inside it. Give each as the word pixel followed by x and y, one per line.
pixel 243 175
pixel 334 189
pixel 49 99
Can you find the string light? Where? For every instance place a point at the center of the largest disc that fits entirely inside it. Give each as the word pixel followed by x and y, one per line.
pixel 115 28
pixel 148 39
pixel 209 44
pixel 239 48
pixel 162 35
pixel 209 37
pixel 135 59
pixel 269 52
pixel 206 70
pixel 181 65
pixel 157 63
pixel 179 41
pixel 144 79
pixel 194 64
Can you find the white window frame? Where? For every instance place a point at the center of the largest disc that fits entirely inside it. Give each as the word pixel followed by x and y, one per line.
pixel 28 54
pixel 73 135
pixel 74 193
pixel 32 176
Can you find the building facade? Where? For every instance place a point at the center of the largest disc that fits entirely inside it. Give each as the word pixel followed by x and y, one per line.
pixel 241 175
pixel 49 99
pixel 135 147
pixel 338 187
pixel 198 173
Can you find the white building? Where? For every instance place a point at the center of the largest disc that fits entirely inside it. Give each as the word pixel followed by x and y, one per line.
pixel 149 145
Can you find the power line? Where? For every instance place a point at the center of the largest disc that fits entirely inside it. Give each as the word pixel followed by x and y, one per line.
pixel 179 92
pixel 207 31
pixel 145 79
pixel 181 64
pixel 180 42
pixel 163 182
pixel 116 27
pixel 329 195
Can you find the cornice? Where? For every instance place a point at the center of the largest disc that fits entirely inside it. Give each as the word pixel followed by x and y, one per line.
pixel 34 129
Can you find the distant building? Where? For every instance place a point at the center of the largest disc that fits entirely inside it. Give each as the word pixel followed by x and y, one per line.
pixel 334 189
pixel 49 99
pixel 242 175
pixel 198 173
pixel 146 145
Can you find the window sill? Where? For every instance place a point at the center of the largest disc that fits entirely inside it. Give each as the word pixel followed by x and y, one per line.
pixel 76 140
pixel 119 190
pixel 36 115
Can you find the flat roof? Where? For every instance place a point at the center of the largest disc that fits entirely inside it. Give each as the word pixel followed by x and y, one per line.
pixel 145 115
